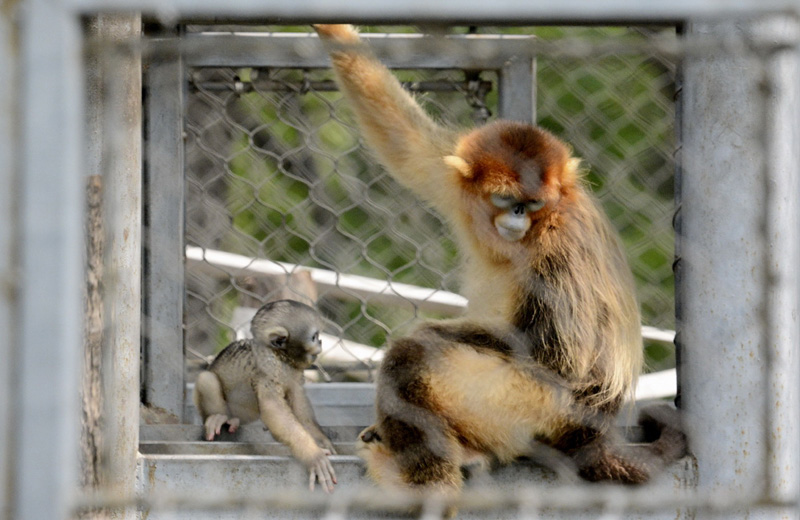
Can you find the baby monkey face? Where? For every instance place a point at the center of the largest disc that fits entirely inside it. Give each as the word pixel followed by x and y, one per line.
pixel 291 328
pixel 302 344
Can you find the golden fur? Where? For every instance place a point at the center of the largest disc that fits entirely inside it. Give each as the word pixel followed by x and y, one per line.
pixel 550 344
pixel 456 173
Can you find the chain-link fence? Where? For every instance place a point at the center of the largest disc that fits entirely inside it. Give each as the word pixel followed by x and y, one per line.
pixel 275 170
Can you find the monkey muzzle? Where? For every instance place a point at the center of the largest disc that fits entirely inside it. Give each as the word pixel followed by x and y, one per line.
pixel 513 224
pixel 312 351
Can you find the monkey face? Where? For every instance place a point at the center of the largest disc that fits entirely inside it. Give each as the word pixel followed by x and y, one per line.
pixel 515 171
pixel 303 346
pixel 291 328
pixel 514 219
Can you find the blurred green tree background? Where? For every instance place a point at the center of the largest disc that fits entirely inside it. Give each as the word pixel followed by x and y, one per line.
pixel 277 170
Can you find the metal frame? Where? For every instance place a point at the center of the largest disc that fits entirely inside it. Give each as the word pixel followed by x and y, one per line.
pixel 737 282
pixel 447 11
pixel 163 341
pixel 166 81
pixel 43 294
pixel 9 115
pixel 49 228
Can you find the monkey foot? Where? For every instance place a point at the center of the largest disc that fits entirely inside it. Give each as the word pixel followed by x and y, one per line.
pixel 214 424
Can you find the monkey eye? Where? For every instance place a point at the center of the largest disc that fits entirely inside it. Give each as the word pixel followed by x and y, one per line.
pixel 534 205
pixel 279 341
pixel 502 201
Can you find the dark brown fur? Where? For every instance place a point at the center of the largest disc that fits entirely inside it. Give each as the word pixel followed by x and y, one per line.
pixel 430 444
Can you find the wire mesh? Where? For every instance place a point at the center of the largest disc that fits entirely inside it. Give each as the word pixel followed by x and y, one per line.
pixel 275 170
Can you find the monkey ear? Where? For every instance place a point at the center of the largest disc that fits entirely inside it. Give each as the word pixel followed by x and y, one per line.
pixel 572 171
pixel 277 336
pixel 458 164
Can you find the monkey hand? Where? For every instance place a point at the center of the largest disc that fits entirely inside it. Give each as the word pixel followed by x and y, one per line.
pixel 215 422
pixel 320 469
pixel 340 33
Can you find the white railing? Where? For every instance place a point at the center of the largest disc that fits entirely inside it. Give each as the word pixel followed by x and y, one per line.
pixel 347 286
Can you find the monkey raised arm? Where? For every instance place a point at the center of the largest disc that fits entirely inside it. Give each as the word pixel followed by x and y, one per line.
pixel 279 418
pixel 406 140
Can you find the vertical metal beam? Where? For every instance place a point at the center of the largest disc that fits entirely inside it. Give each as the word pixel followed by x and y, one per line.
pixel 9 229
pixel 115 153
pixel 517 96
pixel 782 239
pixel 164 384
pixel 51 247
pixel 738 255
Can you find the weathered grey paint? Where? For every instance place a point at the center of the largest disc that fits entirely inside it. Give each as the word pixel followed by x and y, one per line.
pixel 451 11
pixel 115 153
pixel 9 229
pixel 737 287
pixel 163 369
pixel 51 97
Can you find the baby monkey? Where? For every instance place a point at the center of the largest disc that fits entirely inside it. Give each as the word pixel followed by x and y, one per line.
pixel 262 378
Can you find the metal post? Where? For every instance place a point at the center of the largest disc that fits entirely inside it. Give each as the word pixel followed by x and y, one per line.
pixel 517 99
pixel 49 349
pixel 164 384
pixel 737 282
pixel 9 229
pixel 115 153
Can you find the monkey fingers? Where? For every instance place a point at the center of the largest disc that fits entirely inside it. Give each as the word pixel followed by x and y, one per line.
pixel 214 425
pixel 215 422
pixel 233 424
pixel 321 470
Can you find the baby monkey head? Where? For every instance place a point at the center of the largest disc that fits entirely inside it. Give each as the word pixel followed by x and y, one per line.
pixel 292 329
pixel 517 173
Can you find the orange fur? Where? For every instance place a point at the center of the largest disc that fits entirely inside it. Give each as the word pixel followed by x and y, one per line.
pixel 508 158
pixel 540 258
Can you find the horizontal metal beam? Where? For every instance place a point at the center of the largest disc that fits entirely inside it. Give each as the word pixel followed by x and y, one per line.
pixel 207 486
pixel 222 264
pixel 444 11
pixel 304 50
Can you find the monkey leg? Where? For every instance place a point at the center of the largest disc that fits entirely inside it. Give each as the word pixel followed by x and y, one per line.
pixel 210 401
pixel 607 458
pixel 423 458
